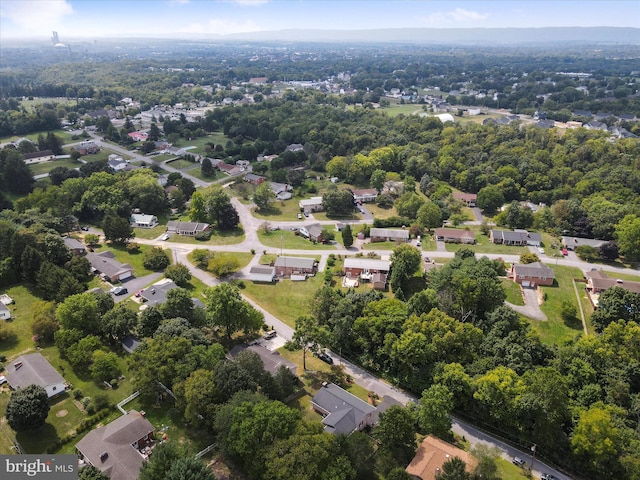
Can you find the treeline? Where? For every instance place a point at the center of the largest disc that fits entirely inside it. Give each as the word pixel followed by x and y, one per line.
pixel 456 344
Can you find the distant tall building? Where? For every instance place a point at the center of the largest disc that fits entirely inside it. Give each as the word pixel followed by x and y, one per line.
pixel 54 38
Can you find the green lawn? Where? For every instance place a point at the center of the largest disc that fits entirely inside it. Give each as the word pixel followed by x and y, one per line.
pixel 134 259
pixel 509 471
pixel 285 299
pixel 150 233
pixel 180 163
pixel 65 136
pixel 46 167
pixel 555 330
pixel 286 210
pixel 338 218
pixel 484 245
pixel 289 240
pixel 217 238
pixel 197 172
pixel 20 324
pixel 200 143
pixel 381 245
pixel 513 290
pixel 379 212
pixel 103 154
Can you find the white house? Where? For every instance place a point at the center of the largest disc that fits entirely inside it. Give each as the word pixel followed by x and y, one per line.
pixel 142 220
pixel 313 204
pixel 5 313
pixel 34 369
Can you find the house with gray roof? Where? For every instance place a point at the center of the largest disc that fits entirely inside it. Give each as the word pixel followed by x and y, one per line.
pixel 388 235
pixel 517 237
pixel 156 294
pixel 34 369
pixel 105 264
pixel 141 220
pixel 189 229
pixel 570 243
pixel 272 361
pixel 343 412
pixel 287 266
pixel 313 232
pixel 262 273
pixel 76 247
pixel 119 448
pixel 310 205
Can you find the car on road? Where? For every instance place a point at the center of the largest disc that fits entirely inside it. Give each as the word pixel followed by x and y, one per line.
pixel 324 357
pixel 547 476
pixel 518 461
pixel 270 334
pixel 117 291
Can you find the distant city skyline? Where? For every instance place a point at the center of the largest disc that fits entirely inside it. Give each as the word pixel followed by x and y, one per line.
pixel 184 18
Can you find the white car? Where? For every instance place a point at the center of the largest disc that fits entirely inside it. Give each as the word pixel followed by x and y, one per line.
pixel 3 379
pixel 541 250
pixel 165 237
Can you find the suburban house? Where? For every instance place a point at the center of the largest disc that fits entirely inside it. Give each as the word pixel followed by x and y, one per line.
pixel 294 147
pixel 313 232
pixel 452 235
pixel 365 195
pixel 38 157
pixel 105 264
pixel 388 235
pixel 517 237
pixel 119 448
pixel 570 243
pixel 532 274
pixel 376 271
pixel 156 294
pixel 86 148
pixel 139 136
pixel 5 312
pixel 142 220
pixel 432 453
pixel 117 164
pixel 262 273
pixel 469 198
pixel 243 164
pixel 189 229
pixel 130 343
pixel 598 282
pixel 310 205
pixel 288 266
pixel 272 361
pixel 229 169
pixel 343 412
pixel 76 247
pixel 254 179
pixel 34 369
pixel 282 190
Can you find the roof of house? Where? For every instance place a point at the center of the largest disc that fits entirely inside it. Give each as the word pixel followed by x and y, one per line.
pixel 73 244
pixel 453 233
pixel 187 226
pixel 42 153
pixel 389 233
pixel 601 281
pixel 467 197
pixel 535 269
pixel 252 177
pixel 31 369
pixel 156 294
pixel 105 262
pixel 314 229
pixel 308 202
pixel 578 241
pixel 430 456
pixel 272 361
pixel 262 273
pixel 122 460
pixel 365 191
pixel 345 411
pixel 516 236
pixel 143 218
pixel 367 263
pixel 4 308
pixel 295 262
pixel 130 343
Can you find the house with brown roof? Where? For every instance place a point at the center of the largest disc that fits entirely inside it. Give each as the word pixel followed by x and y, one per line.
pixel 388 235
pixel 119 448
pixel 38 157
pixel 532 274
pixel 254 179
pixel 598 282
pixel 452 235
pixel 432 454
pixel 469 198
pixel 365 195
pixel 34 369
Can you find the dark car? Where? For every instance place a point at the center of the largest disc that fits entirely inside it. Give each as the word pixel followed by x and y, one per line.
pixel 518 461
pixel 84 228
pixel 120 291
pixel 324 357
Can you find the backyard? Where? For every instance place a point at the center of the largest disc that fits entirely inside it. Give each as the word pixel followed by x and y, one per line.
pixel 289 240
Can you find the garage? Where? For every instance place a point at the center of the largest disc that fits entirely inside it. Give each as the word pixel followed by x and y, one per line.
pixel 126 275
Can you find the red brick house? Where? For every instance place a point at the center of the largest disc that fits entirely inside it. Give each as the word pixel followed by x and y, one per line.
pixel 532 274
pixel 469 198
pixel 452 235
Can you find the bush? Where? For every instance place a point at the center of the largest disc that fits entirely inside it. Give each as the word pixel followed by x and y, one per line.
pixel 133 247
pixel 85 401
pixel 77 393
pixel 205 235
pixel 100 401
pixel 114 383
pixel 391 222
pixel 156 259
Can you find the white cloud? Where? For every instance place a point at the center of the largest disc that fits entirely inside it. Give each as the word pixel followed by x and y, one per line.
pixel 249 3
pixel 34 15
pixel 179 2
pixel 222 27
pixel 454 17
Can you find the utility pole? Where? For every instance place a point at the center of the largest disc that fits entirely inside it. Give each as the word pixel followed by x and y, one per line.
pixel 533 456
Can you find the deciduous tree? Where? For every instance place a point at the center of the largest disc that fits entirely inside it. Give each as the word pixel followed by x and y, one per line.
pixel 27 408
pixel 227 309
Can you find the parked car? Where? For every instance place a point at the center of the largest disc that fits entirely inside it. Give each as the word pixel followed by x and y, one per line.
pixel 3 379
pixel 119 291
pixel 306 214
pixel 324 357
pixel 540 250
pixel 547 476
pixel 299 216
pixel 270 334
pixel 84 228
pixel 518 461
pixel 165 237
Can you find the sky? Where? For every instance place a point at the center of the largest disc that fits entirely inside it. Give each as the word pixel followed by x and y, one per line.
pixel 117 18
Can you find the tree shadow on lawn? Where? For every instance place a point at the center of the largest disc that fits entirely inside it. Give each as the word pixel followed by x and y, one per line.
pixel 37 441
pixel 270 211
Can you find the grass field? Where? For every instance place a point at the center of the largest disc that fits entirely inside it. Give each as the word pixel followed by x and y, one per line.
pixel 513 291
pixel 46 167
pixel 134 259
pixel 197 172
pixel 180 164
pixel 289 240
pixel 555 330
pixel 65 136
pixel 217 238
pixel 285 210
pixel 379 212
pixel 484 245
pixel 285 299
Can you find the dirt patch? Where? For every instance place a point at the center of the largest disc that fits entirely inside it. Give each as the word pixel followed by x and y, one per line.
pixel 62 413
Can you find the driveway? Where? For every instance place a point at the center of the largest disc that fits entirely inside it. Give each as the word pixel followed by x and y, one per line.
pixel 531 307
pixel 136 284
